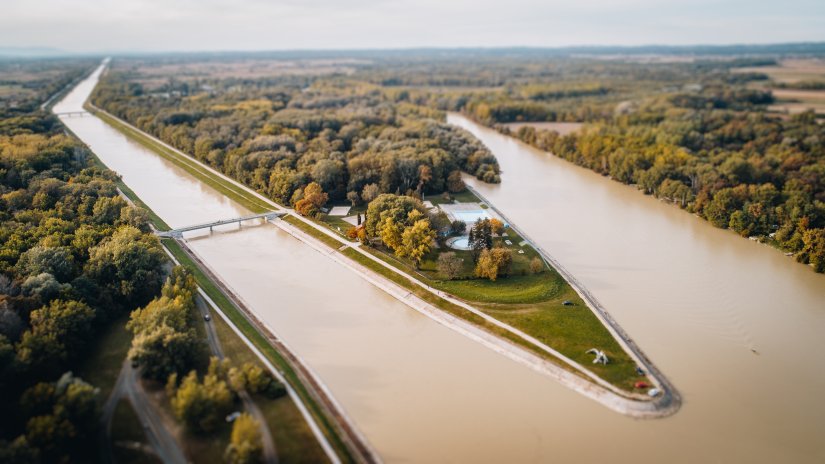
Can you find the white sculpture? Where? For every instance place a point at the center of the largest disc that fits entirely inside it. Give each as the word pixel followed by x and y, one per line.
pixel 600 356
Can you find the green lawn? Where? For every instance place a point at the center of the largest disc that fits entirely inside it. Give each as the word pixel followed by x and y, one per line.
pixel 308 229
pixel 516 289
pixel 461 197
pixel 571 330
pixel 106 354
pixel 337 224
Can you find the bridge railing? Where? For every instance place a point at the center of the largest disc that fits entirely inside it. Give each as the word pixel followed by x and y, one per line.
pixel 209 225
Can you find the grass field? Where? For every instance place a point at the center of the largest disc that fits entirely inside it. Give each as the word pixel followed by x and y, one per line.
pixel 106 354
pixel 571 330
pixel 790 72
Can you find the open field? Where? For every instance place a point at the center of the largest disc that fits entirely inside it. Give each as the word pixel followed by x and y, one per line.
pixel 243 68
pixel 791 70
pixel 792 73
pixel 102 366
pixel 795 101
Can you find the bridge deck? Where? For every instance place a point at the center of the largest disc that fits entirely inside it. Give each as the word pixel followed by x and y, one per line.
pixel 179 231
pixel 70 114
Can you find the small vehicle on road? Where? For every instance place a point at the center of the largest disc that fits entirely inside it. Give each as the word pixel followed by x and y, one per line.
pixel 206 317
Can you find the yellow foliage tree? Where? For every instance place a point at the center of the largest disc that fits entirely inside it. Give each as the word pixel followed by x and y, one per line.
pixel 496 226
pixel 391 232
pixel 245 443
pixel 416 241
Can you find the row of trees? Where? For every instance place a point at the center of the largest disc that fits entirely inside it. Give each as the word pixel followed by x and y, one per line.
pixel 165 340
pixel 168 349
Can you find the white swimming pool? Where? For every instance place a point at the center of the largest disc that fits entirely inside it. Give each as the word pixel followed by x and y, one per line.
pixel 470 217
pixel 459 243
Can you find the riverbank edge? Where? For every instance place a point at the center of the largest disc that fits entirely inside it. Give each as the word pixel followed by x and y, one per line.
pixel 630 404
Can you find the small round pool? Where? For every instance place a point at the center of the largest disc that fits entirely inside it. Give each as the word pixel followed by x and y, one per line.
pixel 459 243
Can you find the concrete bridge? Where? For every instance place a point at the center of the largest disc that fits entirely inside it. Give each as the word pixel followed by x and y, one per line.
pixel 71 114
pixel 178 233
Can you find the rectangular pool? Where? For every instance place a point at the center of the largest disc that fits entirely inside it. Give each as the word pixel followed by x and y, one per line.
pixel 470 217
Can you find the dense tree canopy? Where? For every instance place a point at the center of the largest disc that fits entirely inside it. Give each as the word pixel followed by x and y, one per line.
pixel 165 341
pixel 278 135
pixel 61 222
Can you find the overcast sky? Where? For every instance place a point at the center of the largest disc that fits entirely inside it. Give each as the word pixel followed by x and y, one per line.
pixel 188 25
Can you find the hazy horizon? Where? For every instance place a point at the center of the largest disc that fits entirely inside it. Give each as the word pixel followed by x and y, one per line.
pixel 148 26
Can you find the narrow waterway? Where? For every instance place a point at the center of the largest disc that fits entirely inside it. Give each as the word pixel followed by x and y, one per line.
pixel 423 393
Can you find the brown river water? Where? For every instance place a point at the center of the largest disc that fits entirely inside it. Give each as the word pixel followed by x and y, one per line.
pixel 698 300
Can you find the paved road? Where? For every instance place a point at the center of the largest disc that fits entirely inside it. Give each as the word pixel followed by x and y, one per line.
pixel 162 441
pixel 270 454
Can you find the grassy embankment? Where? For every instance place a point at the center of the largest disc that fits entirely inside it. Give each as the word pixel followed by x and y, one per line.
pixel 531 303
pixel 292 437
pixel 101 369
pixel 229 189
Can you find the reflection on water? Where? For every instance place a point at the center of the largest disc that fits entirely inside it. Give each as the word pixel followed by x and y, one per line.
pixel 697 300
